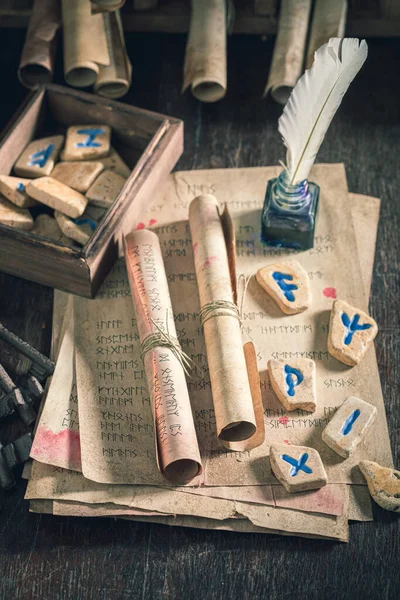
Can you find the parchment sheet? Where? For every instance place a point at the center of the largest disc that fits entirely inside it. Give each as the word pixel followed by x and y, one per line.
pixel 289 50
pixel 331 273
pixel 205 56
pixel 38 54
pixel 85 43
pixel 114 80
pixel 329 20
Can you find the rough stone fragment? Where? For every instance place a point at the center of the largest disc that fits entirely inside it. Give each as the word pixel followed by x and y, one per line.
pixel 13 188
pixel 80 230
pixel 57 195
pixel 383 484
pixel 77 175
pixel 351 332
pixel 13 216
pixel 39 157
pixel 114 163
pixel 298 468
pixel 349 425
pixel 288 284
pixel 85 142
pixel 294 383
pixel 105 189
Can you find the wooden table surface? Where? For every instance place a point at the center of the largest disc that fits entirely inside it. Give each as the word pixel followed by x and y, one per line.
pixel 43 556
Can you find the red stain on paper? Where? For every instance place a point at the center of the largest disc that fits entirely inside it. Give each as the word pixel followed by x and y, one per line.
pixel 140 226
pixel 60 448
pixel 195 246
pixel 209 261
pixel 283 420
pixel 152 222
pixel 329 292
pixel 286 442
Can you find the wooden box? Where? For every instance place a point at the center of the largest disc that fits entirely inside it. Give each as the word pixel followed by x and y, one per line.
pixel 149 143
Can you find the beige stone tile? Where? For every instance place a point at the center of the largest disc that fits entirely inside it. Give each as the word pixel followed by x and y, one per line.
pixel 105 189
pixel 57 195
pixel 77 175
pixel 351 332
pixel 349 425
pixel 383 484
pixel 46 226
pixel 85 142
pixel 80 233
pixel 298 468
pixel 294 383
pixel 13 188
pixel 39 157
pixel 288 284
pixel 114 163
pixel 13 216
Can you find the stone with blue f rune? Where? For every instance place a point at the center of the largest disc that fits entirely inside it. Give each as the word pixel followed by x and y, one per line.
pixel 349 425
pixel 39 157
pixel 298 468
pixel 351 332
pixel 294 383
pixel 288 284
pixel 84 142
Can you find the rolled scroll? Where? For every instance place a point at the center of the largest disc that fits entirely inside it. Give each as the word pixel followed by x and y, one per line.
pixel 114 80
pixel 106 5
pixel 289 50
pixel 205 58
pixel 177 448
pixel 230 385
pixel 85 43
pixel 329 20
pixel 38 55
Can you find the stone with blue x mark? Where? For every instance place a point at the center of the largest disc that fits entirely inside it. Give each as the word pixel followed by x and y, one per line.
pixel 288 285
pixel 351 332
pixel 298 468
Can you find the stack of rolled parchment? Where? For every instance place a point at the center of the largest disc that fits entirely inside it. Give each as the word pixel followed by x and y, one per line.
pixel 94 45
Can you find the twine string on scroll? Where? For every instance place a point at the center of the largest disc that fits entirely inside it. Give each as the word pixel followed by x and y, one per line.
pixel 218 308
pixel 165 340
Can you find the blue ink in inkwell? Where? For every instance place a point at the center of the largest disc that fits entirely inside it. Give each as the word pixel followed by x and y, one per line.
pixel 289 213
pixel 291 202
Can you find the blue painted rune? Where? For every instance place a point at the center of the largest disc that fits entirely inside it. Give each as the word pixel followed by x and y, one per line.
pixel 20 187
pixel 89 222
pixel 297 465
pixel 41 157
pixel 91 134
pixel 287 288
pixel 351 326
pixel 293 378
pixel 349 422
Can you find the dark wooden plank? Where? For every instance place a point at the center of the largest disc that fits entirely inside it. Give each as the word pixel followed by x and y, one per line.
pixel 62 558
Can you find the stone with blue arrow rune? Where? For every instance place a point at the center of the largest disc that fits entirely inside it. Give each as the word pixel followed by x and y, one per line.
pixel 351 332
pixel 294 383
pixel 298 468
pixel 288 285
pixel 349 425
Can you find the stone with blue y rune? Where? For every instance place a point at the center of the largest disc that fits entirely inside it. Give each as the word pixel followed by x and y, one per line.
pixel 351 332
pixel 298 468
pixel 13 188
pixel 84 142
pixel 39 157
pixel 349 425
pixel 288 284
pixel 294 383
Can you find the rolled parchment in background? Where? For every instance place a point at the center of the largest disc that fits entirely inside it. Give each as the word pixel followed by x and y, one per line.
pixel 329 20
pixel 230 385
pixel 114 80
pixel 205 58
pixel 177 447
pixel 85 43
pixel 38 55
pixel 289 50
pixel 106 5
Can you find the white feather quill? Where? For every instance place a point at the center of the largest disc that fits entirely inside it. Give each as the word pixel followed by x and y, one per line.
pixel 314 101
